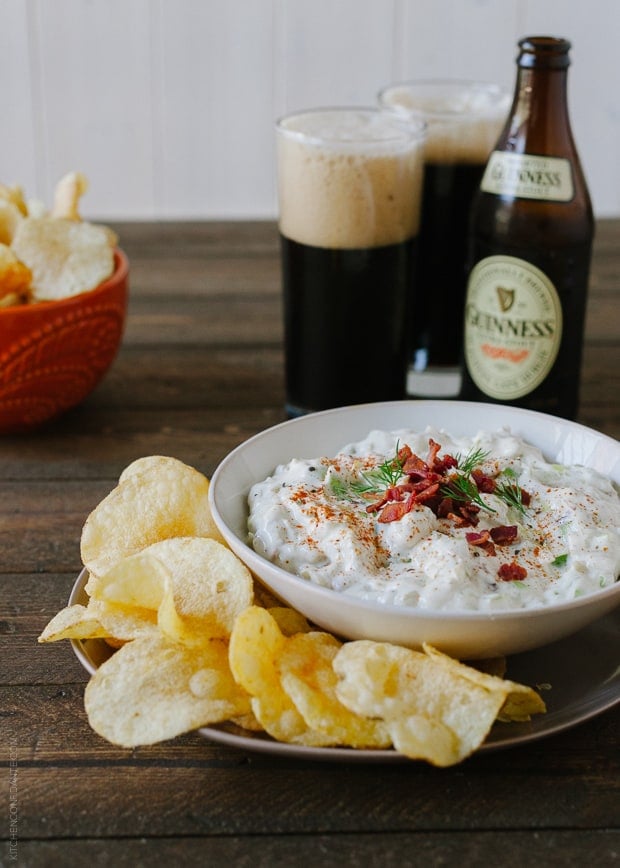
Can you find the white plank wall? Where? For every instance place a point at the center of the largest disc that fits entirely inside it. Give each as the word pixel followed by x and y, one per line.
pixel 168 105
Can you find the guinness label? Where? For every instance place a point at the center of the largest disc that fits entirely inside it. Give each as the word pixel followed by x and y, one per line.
pixel 527 176
pixel 513 327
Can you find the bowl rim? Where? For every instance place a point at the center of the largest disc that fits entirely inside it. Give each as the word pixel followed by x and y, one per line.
pixel 121 270
pixel 251 558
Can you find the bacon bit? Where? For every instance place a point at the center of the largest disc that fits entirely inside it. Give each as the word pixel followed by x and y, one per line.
pixel 395 511
pixel 459 520
pixel 445 507
pixel 395 493
pixel 469 514
pixel 414 466
pixel 512 572
pixel 433 450
pixel 436 464
pixel 404 454
pixel 485 484
pixel 481 540
pixel 446 463
pixel 427 493
pixel 423 484
pixel 478 539
pixel 526 497
pixel 505 534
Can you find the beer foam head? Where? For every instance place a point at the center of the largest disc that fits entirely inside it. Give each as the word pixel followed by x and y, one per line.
pixel 349 178
pixel 464 118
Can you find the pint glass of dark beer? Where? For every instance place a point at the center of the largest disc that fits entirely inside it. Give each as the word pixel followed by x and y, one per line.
pixel 349 185
pixel 464 120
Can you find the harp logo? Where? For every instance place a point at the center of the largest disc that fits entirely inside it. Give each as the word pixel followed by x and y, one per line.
pixel 506 298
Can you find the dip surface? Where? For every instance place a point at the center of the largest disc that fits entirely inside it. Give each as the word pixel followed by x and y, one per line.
pixel 323 520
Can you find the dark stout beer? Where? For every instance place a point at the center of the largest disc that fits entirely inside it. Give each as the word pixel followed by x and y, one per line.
pixel 532 229
pixel 349 186
pixel 437 324
pixel 464 119
pixel 344 312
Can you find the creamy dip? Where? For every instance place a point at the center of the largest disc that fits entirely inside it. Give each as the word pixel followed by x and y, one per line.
pixel 559 539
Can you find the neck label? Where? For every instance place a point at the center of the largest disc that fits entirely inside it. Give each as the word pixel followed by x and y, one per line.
pixel 513 327
pixel 527 176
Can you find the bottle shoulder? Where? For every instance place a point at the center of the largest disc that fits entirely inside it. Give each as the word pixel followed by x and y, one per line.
pixel 514 218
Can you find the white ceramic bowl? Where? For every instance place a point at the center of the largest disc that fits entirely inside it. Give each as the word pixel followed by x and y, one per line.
pixel 463 635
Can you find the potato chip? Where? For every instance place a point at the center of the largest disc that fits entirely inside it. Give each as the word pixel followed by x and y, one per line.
pixel 254 632
pixel 289 620
pixel 307 676
pixel 67 195
pixel 100 620
pixel 401 686
pixel 73 622
pixel 168 499
pixel 146 464
pixel 196 584
pixel 420 737
pixel 138 580
pixel 11 300
pixel 247 721
pixel 520 701
pixel 151 690
pixel 15 277
pixel 65 257
pixel 255 645
pixel 15 196
pixel 10 218
pixel 121 623
pixel 36 208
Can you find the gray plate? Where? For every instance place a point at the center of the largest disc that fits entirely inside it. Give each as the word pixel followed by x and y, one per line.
pixel 579 678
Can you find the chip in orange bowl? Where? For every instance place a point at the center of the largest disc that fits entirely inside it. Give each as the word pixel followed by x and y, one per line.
pixel 54 353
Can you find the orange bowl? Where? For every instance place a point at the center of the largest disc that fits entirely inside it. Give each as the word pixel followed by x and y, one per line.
pixel 54 353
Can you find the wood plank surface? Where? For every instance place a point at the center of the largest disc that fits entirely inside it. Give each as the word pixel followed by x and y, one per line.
pixel 555 849
pixel 200 370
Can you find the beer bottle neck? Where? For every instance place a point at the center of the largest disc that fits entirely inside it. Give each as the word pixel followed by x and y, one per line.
pixel 539 119
pixel 541 97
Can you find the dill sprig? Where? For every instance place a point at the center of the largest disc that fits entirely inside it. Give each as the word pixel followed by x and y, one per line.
pixel 511 495
pixel 380 478
pixel 465 490
pixel 370 482
pixel 468 462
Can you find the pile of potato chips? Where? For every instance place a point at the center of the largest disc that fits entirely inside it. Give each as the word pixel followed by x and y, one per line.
pixel 200 643
pixel 48 255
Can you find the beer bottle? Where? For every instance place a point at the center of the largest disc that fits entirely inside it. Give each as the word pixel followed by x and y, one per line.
pixel 530 244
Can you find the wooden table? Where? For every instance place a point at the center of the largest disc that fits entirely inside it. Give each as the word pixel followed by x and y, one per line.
pixel 201 370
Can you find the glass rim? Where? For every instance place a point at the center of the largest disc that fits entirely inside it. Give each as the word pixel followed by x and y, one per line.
pixel 500 93
pixel 413 128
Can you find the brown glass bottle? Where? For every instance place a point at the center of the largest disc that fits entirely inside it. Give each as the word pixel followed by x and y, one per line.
pixel 530 244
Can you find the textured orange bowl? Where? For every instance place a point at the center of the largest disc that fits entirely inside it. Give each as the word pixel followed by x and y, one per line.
pixel 54 353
